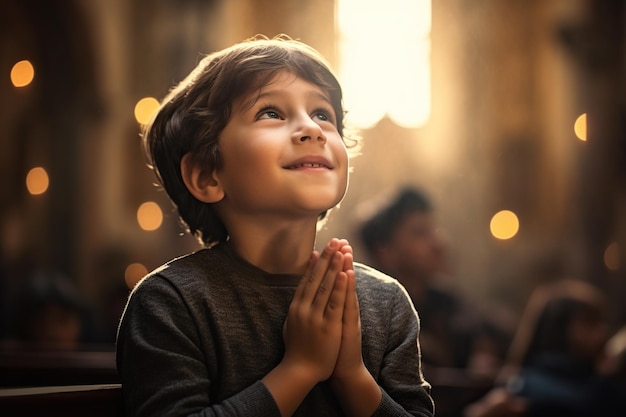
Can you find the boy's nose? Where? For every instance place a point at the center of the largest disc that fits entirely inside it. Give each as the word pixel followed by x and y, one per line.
pixel 320 138
pixel 309 131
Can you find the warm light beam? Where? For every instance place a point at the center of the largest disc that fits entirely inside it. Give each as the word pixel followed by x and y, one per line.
pixel 385 60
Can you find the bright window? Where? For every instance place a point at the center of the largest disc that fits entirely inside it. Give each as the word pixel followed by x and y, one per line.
pixel 384 61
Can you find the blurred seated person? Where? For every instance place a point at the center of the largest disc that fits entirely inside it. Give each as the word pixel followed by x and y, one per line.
pixel 49 313
pixel 556 359
pixel 401 239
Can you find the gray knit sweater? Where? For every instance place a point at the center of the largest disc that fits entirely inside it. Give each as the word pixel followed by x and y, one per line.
pixel 200 332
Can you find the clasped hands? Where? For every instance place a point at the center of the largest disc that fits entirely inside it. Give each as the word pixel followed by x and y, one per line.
pixel 322 332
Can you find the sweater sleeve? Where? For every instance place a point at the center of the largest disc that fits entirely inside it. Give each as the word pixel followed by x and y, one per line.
pixel 405 392
pixel 161 364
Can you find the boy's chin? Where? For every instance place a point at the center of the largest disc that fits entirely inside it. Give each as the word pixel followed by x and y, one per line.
pixel 327 202
pixel 315 200
pixel 317 210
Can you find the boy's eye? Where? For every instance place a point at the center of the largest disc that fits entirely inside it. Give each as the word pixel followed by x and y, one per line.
pixel 323 115
pixel 268 113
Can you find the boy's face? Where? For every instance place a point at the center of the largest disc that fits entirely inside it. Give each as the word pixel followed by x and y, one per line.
pixel 282 153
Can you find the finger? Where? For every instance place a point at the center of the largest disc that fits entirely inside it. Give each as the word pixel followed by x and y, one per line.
pixel 307 274
pixel 325 289
pixel 348 258
pixel 317 274
pixel 342 243
pixel 335 307
pixel 351 313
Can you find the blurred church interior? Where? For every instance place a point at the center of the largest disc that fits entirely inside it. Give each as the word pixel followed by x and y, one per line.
pixel 523 113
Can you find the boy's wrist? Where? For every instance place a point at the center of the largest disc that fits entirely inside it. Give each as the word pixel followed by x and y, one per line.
pixel 359 393
pixel 289 385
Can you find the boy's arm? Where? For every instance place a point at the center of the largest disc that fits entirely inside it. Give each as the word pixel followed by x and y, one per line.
pixel 405 392
pixel 355 387
pixel 162 369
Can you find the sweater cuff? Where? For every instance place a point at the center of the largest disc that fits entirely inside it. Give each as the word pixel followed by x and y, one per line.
pixel 389 407
pixel 256 400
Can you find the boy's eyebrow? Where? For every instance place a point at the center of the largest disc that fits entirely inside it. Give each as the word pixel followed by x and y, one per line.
pixel 252 99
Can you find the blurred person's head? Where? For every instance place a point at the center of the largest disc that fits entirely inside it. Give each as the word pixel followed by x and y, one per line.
pixel 567 318
pixel 49 312
pixel 402 239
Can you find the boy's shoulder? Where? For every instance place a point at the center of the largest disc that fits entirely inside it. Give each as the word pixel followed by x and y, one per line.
pixel 188 269
pixel 372 280
pixel 366 272
pixel 190 261
pixel 382 298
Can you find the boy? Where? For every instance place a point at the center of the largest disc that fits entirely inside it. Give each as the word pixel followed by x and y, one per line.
pixel 249 148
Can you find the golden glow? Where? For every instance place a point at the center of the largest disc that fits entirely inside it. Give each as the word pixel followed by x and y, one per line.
pixel 504 225
pixel 385 60
pixel 149 216
pixel 37 181
pixel 22 73
pixel 580 127
pixel 133 273
pixel 145 109
pixel 611 257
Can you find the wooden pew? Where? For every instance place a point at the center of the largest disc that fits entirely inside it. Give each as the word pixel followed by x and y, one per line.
pixel 24 367
pixel 101 400
pixel 87 378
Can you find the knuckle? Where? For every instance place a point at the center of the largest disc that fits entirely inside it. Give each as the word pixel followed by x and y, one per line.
pixel 307 279
pixel 326 253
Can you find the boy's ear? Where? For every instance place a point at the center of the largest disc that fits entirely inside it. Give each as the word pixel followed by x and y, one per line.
pixel 201 182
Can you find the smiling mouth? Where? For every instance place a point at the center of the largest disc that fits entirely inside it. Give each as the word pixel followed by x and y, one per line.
pixel 308 165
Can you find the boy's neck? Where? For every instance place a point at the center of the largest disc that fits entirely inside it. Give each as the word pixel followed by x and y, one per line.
pixel 276 249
